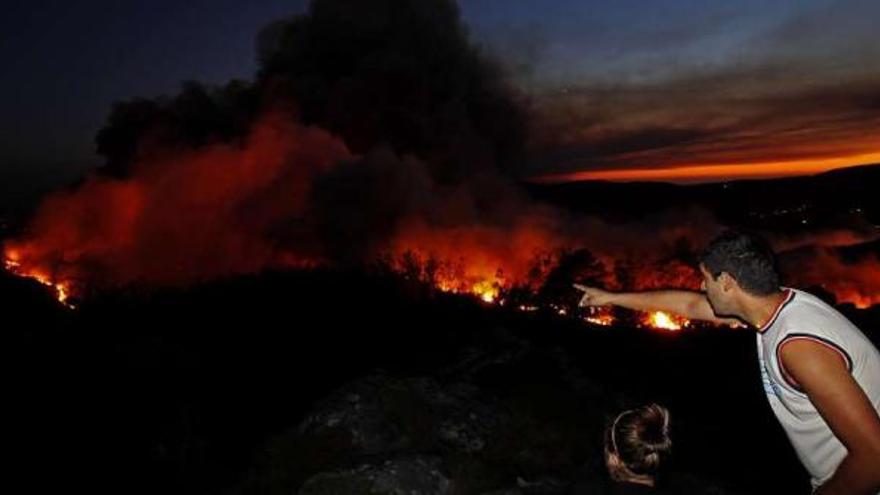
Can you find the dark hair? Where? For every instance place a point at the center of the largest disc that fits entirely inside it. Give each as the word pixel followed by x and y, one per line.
pixel 640 438
pixel 745 256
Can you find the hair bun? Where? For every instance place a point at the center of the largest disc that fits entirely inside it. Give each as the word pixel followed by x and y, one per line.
pixel 655 428
pixel 640 438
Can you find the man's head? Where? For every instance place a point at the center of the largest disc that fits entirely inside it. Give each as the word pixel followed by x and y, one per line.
pixel 734 263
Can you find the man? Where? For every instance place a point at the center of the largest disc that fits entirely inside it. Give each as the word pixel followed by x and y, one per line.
pixel 820 372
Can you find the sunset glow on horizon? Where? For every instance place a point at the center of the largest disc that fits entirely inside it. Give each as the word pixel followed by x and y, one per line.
pixel 714 173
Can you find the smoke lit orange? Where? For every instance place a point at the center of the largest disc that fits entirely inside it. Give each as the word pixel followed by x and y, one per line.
pixel 190 216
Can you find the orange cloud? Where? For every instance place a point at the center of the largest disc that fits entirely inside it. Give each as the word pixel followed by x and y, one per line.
pixel 717 172
pixel 731 126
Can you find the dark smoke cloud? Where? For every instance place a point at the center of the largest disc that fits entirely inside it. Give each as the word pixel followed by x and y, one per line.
pixel 419 128
pixel 197 116
pixel 401 73
pixel 388 72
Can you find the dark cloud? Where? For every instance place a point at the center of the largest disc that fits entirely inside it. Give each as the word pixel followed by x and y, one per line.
pixel 605 150
pixel 840 36
pixel 745 116
pixel 802 85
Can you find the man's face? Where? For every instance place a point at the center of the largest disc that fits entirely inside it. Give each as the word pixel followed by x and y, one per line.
pixel 714 292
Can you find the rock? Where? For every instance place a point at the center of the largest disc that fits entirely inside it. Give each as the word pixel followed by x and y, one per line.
pixel 405 476
pixel 358 411
pixel 383 415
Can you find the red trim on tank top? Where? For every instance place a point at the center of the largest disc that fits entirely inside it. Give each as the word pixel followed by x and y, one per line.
pixel 789 295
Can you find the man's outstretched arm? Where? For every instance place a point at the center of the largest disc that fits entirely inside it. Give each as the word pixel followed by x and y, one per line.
pixel 824 377
pixel 690 304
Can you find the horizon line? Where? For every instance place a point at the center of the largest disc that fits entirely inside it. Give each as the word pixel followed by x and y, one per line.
pixel 696 174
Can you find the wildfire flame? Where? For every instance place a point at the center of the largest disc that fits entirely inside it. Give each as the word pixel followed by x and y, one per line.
pixel 11 260
pixel 864 302
pixel 665 321
pixel 61 289
pixel 489 292
pixel 861 299
pixel 163 227
pixel 600 316
pixel 486 291
pixel 658 320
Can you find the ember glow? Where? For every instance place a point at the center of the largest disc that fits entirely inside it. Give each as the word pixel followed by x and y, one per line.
pixel 600 316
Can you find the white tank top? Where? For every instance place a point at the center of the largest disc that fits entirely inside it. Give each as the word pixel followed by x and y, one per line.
pixel 804 316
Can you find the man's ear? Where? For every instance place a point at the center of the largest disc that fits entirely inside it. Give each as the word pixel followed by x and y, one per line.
pixel 727 281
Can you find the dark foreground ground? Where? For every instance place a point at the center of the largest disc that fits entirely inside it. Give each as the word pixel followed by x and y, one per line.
pixel 333 382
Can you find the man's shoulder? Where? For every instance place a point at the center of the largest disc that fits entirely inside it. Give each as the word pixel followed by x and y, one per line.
pixel 806 312
pixel 805 302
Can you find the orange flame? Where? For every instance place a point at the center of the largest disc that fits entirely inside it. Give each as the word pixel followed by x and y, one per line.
pixel 485 290
pixel 664 321
pixel 62 290
pixel 478 260
pixel 600 316
pixel 11 260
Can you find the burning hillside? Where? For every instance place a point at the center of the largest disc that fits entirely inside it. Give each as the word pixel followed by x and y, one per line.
pixel 350 151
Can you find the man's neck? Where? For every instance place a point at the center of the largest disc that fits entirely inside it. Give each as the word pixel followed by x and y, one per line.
pixel 757 310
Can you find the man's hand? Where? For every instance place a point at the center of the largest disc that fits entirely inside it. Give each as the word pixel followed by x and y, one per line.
pixel 593 296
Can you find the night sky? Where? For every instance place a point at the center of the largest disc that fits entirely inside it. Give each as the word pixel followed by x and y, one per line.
pixel 619 90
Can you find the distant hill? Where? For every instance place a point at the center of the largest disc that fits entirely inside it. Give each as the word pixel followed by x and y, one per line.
pixel 826 198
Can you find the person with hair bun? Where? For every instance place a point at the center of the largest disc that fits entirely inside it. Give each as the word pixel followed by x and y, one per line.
pixel 637 447
pixel 637 444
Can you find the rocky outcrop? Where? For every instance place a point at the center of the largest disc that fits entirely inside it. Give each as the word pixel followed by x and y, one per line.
pixel 514 419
